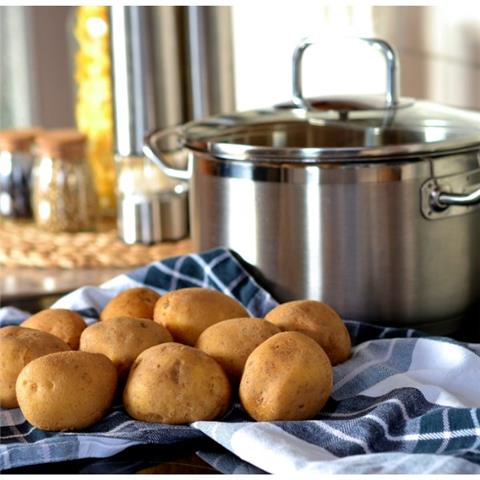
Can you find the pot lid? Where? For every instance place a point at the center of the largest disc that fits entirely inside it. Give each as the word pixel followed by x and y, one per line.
pixel 338 128
pixel 343 128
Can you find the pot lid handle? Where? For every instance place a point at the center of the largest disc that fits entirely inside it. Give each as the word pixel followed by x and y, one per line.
pixel 392 84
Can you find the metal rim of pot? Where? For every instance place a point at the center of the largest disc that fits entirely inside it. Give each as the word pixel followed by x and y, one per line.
pixel 206 136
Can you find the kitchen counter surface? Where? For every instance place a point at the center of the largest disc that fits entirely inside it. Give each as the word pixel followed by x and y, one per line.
pixel 25 283
pixel 35 263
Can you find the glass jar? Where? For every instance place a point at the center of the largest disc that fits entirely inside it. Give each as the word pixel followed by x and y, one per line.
pixel 16 160
pixel 63 193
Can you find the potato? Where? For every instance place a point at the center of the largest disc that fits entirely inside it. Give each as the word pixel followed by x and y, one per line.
pixel 18 347
pixel 318 321
pixel 133 302
pixel 176 384
pixel 66 390
pixel 122 339
pixel 187 312
pixel 64 324
pixel 287 377
pixel 231 342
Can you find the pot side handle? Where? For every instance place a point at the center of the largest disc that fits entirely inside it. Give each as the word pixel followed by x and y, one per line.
pixel 152 151
pixel 442 200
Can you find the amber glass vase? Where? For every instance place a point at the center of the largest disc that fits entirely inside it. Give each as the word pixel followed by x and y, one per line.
pixel 93 109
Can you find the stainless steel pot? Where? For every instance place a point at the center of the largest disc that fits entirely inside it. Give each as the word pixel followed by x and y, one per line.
pixel 368 204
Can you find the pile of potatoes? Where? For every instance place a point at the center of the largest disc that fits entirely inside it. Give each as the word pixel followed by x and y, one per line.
pixel 178 358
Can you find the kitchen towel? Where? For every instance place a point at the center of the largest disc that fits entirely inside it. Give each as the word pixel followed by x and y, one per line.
pixel 403 403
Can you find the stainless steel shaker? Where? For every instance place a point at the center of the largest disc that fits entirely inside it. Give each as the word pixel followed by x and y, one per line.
pixel 151 208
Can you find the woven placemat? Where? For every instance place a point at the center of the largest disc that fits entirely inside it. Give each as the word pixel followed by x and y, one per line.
pixel 22 244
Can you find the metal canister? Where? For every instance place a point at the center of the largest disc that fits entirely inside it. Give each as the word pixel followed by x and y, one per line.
pixel 16 160
pixel 150 206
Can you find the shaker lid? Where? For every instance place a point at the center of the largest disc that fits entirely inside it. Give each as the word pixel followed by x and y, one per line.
pixel 346 128
pixel 18 139
pixel 68 144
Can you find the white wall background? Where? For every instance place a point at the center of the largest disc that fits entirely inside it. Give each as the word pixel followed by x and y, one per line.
pixel 438 46
pixel 264 41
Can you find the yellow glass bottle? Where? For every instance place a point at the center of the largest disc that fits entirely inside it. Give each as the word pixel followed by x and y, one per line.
pixel 93 109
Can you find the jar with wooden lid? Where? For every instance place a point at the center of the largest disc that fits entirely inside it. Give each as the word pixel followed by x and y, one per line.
pixel 16 161
pixel 63 194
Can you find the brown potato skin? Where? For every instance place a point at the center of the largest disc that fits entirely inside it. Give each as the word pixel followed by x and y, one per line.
pixel 66 390
pixel 64 324
pixel 231 342
pixel 176 384
pixel 317 320
pixel 122 339
pixel 18 347
pixel 187 312
pixel 137 302
pixel 287 377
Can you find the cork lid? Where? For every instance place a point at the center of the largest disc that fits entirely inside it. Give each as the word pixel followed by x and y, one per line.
pixel 18 139
pixel 68 144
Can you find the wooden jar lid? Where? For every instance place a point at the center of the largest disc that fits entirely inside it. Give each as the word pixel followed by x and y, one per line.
pixel 18 139
pixel 68 144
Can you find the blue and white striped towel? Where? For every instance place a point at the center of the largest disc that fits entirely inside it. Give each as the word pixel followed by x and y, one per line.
pixel 403 403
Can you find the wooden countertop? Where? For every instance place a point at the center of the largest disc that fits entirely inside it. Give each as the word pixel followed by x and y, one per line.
pixel 25 282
